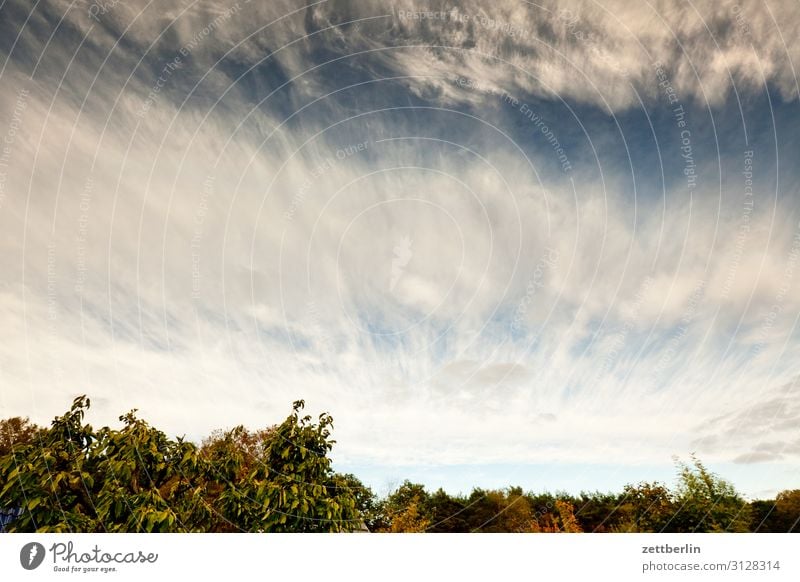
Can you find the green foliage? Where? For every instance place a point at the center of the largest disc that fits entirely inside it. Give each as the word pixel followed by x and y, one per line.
pixel 292 488
pixel 705 502
pixel 366 501
pixel 73 478
pixel 448 514
pixel 596 511
pixel 646 507
pixel 135 479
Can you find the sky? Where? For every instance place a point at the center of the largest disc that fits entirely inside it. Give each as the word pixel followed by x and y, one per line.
pixel 546 244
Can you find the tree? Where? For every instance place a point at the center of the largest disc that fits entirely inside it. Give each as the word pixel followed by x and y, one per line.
pixel 16 431
pixel 295 489
pixel 787 511
pixel 514 512
pixel 248 447
pixel 135 479
pixel 500 511
pixel 448 514
pixel 761 511
pixel 596 511
pixel 72 477
pixel 705 502
pixel 647 507
pixel 411 509
pixel 411 519
pixel 483 508
pixel 75 478
pixel 563 520
pixel 779 515
pixel 365 499
pixel 406 510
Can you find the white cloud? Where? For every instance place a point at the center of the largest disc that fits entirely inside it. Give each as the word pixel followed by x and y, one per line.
pixel 222 276
pixel 601 53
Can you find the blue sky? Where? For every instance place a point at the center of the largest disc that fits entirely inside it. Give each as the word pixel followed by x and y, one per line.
pixel 503 243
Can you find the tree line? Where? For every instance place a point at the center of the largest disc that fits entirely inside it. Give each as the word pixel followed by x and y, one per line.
pixel 71 477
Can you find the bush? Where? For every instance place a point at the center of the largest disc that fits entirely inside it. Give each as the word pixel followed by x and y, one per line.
pixel 134 479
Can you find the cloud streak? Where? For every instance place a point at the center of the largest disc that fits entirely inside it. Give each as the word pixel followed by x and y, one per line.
pixel 211 210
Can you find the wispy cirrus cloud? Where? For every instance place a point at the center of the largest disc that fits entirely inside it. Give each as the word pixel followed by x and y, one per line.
pixel 366 207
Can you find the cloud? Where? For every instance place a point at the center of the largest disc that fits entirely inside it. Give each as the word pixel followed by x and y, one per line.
pixel 599 53
pixel 411 254
pixel 765 426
